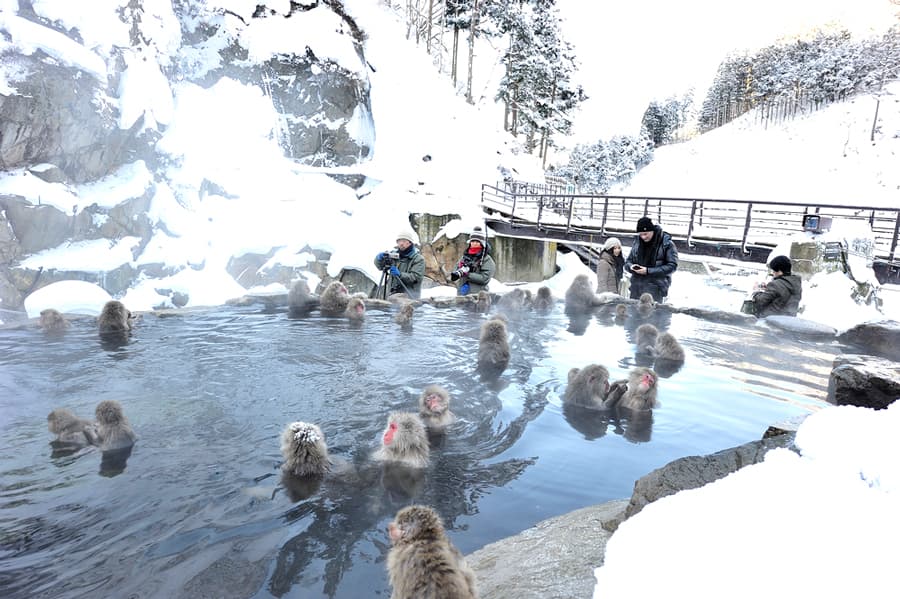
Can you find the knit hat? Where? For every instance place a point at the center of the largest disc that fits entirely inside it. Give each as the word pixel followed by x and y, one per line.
pixel 644 224
pixel 781 264
pixel 611 243
pixel 406 234
pixel 477 235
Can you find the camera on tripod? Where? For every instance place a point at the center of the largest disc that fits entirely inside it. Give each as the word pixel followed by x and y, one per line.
pixel 389 258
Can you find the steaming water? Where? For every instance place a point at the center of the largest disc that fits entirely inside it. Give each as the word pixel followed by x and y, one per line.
pixel 198 509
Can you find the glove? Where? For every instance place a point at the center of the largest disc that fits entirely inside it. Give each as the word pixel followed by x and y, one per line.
pixel 464 290
pixel 380 257
pixel 395 271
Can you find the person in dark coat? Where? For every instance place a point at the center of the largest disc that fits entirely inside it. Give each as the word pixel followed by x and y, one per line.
pixel 652 260
pixel 407 270
pixel 476 267
pixel 610 266
pixel 781 295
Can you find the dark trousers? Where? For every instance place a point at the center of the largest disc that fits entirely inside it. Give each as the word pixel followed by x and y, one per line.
pixel 644 284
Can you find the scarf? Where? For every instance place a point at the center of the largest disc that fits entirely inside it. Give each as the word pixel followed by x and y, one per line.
pixel 647 252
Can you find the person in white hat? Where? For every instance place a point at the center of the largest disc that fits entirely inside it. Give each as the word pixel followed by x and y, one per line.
pixel 406 267
pixel 475 269
pixel 610 266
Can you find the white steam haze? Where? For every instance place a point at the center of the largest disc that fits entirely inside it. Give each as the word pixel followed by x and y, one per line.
pixel 822 523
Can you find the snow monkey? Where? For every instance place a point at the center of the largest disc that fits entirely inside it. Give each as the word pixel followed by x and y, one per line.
pixel 422 562
pixel 52 321
pixel 580 295
pixel 668 348
pixel 404 315
pixel 645 305
pixel 637 393
pixel 68 428
pixel 404 440
pixel 304 450
pixel 112 430
pixel 115 318
pixel 483 302
pixel 300 300
pixel 356 310
pixel 543 302
pixel 588 386
pixel 334 299
pixel 646 338
pixel 434 408
pixel 493 348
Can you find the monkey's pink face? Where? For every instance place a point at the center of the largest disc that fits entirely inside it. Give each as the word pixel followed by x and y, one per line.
pixel 433 401
pixel 360 308
pixel 647 382
pixel 394 532
pixel 389 433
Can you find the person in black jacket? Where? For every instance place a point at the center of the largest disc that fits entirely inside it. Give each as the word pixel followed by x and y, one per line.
pixel 781 295
pixel 652 260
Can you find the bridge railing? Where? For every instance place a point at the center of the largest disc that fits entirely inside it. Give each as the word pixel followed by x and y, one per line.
pixel 762 223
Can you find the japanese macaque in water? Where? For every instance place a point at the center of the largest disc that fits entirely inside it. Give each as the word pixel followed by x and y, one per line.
pixel 646 338
pixel 405 440
pixel 493 348
pixel 334 299
pixel 434 408
pixel 404 315
pixel 621 312
pixel 115 319
pixel 483 303
pixel 580 295
pixel 668 348
pixel 52 321
pixel 304 450
pixel 645 305
pixel 422 562
pixel 356 310
pixel 112 430
pixel 637 393
pixel 588 386
pixel 68 428
pixel 512 303
pixel 300 300
pixel 543 301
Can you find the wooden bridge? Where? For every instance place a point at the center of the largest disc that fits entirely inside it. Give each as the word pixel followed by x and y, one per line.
pixel 735 229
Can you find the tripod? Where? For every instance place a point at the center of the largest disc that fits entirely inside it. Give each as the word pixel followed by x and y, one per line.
pixel 382 291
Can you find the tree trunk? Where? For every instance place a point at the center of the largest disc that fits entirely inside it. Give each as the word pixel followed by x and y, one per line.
pixel 430 17
pixel 455 51
pixel 472 29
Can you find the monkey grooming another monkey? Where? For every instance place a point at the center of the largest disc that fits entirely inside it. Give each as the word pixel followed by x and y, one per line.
pixel 304 450
pixel 588 387
pixel 543 301
pixel 668 348
pixel 52 321
pixel 356 310
pixel 405 441
pixel 580 295
pixel 112 430
pixel 68 428
pixel 423 563
pixel 493 348
pixel 115 319
pixel 646 338
pixel 434 408
pixel 404 315
pixel 637 393
pixel 334 299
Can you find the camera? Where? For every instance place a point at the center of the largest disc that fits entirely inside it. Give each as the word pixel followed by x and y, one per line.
pixel 459 273
pixel 389 257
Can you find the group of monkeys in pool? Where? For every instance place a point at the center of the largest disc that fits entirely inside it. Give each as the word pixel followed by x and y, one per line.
pixel 422 562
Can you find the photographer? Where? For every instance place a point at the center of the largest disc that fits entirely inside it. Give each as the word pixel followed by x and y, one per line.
pixel 652 261
pixel 475 269
pixel 405 266
pixel 781 295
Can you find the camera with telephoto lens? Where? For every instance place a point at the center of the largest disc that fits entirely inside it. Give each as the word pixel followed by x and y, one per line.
pixel 459 273
pixel 389 258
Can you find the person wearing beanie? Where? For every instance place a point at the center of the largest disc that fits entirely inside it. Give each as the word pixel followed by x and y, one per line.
pixel 610 266
pixel 781 295
pixel 476 267
pixel 407 270
pixel 652 260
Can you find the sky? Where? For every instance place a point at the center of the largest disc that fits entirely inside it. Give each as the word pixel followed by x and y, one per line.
pixel 631 53
pixel 780 521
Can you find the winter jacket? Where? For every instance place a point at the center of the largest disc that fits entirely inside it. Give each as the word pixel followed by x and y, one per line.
pixel 412 270
pixel 781 296
pixel 660 256
pixel 609 272
pixel 480 273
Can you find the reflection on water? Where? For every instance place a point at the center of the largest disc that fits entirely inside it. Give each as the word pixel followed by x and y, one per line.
pixel 199 507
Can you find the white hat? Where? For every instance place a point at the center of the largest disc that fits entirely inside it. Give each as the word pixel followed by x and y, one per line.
pixel 407 235
pixel 611 243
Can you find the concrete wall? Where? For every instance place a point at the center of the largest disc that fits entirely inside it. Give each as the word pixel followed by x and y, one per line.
pixel 523 260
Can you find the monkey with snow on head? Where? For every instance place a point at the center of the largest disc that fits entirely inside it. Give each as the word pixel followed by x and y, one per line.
pixel 422 562
pixel 404 441
pixel 304 450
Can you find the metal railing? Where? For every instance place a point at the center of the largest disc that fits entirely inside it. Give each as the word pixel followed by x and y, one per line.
pixel 756 223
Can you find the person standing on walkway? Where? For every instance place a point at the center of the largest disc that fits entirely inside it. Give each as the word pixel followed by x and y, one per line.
pixel 652 260
pixel 610 266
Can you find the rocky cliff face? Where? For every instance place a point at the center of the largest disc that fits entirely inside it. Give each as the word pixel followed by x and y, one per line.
pixel 61 122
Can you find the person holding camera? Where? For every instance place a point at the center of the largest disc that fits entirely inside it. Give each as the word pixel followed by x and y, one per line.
pixel 781 295
pixel 652 260
pixel 404 266
pixel 475 269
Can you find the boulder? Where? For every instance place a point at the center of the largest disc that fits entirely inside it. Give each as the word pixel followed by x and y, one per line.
pixel 877 338
pixel 867 381
pixel 714 315
pixel 800 326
